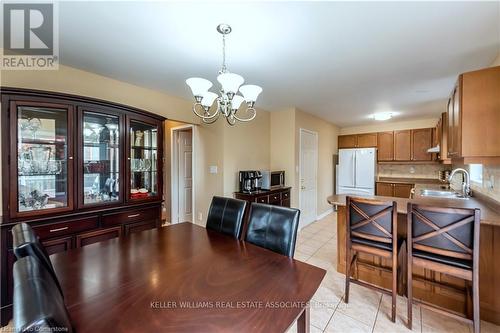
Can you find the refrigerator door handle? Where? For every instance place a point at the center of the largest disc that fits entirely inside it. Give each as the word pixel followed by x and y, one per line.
pixel 354 169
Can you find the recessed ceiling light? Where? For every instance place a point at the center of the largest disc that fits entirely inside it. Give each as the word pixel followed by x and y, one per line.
pixel 383 115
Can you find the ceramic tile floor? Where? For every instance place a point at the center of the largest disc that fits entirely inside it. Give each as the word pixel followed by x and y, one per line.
pixel 368 310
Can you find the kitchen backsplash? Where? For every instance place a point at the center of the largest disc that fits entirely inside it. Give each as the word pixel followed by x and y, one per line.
pixel 410 171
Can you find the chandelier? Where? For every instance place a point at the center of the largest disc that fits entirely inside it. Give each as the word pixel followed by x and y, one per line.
pixel 229 102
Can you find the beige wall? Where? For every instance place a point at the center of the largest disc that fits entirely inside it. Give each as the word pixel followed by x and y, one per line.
pixel 208 145
pixel 246 147
pixel 391 126
pixel 285 150
pixel 496 62
pixel 282 143
pixel 327 147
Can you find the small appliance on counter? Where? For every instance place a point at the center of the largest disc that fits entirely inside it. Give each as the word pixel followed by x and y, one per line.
pixel 272 179
pixel 249 181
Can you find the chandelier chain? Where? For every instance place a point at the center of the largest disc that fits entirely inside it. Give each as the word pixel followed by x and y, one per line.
pixel 223 69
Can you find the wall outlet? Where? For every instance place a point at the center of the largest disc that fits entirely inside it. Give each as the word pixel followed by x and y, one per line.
pixel 200 216
pixel 212 169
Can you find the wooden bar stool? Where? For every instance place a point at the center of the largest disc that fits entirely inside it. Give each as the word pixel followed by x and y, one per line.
pixel 445 240
pixel 372 229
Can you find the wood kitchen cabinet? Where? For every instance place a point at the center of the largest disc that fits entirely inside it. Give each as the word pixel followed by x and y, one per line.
pixel 385 145
pixel 358 140
pixel 384 189
pixel 348 141
pixel 398 190
pixel 474 117
pixel 412 145
pixel 442 139
pixel 421 140
pixel 402 190
pixel 402 145
pixel 367 140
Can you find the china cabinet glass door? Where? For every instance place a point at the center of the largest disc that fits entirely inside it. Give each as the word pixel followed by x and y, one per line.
pixel 143 160
pixel 44 160
pixel 101 158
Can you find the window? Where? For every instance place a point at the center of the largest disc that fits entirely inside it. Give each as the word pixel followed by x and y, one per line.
pixel 476 173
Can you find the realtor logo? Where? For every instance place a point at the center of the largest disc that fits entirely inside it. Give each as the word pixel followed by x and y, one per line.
pixel 29 36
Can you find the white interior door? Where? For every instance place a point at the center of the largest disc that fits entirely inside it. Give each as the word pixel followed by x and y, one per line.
pixel 185 184
pixel 308 176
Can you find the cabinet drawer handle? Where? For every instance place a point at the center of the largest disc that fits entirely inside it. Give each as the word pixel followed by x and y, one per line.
pixel 133 215
pixel 58 229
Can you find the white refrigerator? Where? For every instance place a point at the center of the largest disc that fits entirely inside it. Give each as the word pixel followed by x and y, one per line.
pixel 356 171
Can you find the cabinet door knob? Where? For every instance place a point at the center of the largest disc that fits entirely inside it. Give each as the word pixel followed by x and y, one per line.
pixel 70 158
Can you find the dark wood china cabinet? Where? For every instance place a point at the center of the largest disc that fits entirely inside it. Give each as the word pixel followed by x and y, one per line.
pixel 78 170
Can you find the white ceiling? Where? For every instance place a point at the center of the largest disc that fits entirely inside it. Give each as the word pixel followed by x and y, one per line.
pixel 340 61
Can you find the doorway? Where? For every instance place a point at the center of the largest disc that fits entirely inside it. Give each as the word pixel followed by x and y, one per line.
pixel 308 176
pixel 182 166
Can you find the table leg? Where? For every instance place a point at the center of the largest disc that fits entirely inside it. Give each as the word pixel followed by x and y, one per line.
pixel 303 321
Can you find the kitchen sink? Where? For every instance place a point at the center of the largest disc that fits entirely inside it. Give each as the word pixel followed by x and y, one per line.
pixel 447 194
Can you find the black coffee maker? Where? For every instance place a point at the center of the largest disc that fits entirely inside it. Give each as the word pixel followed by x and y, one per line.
pixel 249 181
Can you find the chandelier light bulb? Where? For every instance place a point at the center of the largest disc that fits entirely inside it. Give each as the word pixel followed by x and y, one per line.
pixel 250 92
pixel 230 82
pixel 208 99
pixel 236 102
pixel 198 86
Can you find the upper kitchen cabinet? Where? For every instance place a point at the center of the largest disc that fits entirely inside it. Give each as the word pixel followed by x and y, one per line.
pixel 41 158
pixel 421 142
pixel 474 117
pixel 367 140
pixel 385 146
pixel 402 145
pixel 442 138
pixel 412 145
pixel 358 140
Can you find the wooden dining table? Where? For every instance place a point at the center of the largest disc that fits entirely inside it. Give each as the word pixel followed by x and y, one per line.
pixel 184 278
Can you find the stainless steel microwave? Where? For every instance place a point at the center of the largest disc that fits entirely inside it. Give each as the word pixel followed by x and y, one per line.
pixel 272 179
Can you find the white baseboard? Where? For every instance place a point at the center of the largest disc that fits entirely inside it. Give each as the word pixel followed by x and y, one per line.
pixel 324 214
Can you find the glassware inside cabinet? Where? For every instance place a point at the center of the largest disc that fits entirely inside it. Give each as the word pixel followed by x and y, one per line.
pixel 143 160
pixel 101 158
pixel 42 158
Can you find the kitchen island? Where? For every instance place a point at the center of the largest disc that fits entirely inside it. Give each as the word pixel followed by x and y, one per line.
pixel 426 282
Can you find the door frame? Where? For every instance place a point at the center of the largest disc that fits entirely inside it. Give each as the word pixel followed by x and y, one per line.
pixel 303 130
pixel 174 157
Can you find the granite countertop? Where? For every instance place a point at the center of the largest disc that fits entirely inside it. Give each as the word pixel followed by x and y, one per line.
pixel 408 180
pixel 490 210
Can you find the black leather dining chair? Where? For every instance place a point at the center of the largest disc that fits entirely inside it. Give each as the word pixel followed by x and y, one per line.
pixel 273 227
pixel 38 305
pixel 226 216
pixel 26 243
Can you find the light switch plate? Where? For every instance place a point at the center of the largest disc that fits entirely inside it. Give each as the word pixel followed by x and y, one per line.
pixel 212 169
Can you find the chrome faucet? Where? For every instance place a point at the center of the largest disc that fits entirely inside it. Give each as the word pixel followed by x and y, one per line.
pixel 465 183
